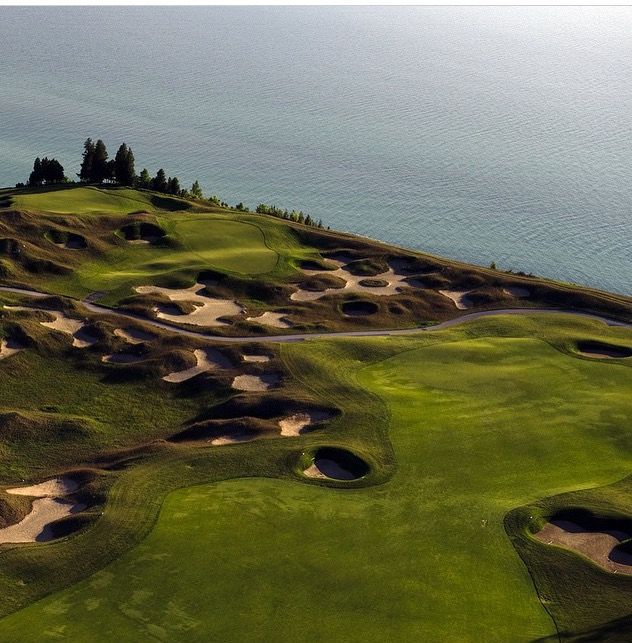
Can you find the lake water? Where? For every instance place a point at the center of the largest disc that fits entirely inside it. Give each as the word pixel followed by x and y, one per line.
pixel 479 133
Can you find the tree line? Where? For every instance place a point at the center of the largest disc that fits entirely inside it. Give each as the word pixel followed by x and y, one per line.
pixel 97 167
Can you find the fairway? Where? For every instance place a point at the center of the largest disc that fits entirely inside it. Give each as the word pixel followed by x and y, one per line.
pixel 483 418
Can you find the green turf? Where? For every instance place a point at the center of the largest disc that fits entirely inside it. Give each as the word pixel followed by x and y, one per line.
pixel 483 418
pixel 93 200
pixel 202 242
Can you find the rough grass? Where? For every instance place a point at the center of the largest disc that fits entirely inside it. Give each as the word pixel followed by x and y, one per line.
pixel 482 418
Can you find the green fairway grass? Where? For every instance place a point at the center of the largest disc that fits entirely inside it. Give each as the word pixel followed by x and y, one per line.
pixel 93 200
pixel 482 418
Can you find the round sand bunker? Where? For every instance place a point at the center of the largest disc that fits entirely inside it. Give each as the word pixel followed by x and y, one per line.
pixel 255 382
pixel 336 464
pixel 601 350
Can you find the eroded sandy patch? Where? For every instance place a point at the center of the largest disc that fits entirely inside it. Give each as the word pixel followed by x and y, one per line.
pixel 596 545
pixel 295 424
pixel 48 488
pixel 516 291
pixel 134 335
pixel 276 320
pixel 208 310
pixel 10 347
pixel 459 297
pixel 395 280
pixel 64 324
pixel 255 358
pixel 206 360
pixel 255 382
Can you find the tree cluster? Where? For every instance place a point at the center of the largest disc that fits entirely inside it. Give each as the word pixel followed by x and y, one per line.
pixel 295 215
pixel 47 172
pixel 96 168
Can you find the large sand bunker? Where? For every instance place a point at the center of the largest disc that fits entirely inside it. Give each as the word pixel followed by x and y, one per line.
pixel 255 382
pixel 601 350
pixel 47 508
pixel 64 324
pixel 207 360
pixel 336 464
pixel 294 425
pixel 393 279
pixel 10 347
pixel 134 335
pixel 276 320
pixel 459 297
pixel 602 547
pixel 208 310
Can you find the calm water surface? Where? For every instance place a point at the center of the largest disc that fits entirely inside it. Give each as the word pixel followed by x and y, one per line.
pixel 480 133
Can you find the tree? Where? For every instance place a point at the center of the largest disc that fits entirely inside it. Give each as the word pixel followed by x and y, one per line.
pixel 85 173
pixel 47 171
pixel 144 180
pixel 159 182
pixel 124 172
pixel 196 191
pixel 100 168
pixel 173 186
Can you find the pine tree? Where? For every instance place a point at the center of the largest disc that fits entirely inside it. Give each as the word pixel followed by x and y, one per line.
pixel 85 174
pixel 124 172
pixel 36 177
pixel 100 168
pixel 159 182
pixel 144 180
pixel 196 191
pixel 173 186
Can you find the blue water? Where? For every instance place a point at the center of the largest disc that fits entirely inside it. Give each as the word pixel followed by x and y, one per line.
pixel 480 133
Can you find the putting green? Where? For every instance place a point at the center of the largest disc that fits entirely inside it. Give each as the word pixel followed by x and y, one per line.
pixel 483 419
pixel 92 200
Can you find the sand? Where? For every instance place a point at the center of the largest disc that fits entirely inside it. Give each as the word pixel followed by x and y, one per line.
pixel 48 488
pixel 276 320
pixel 314 472
pixel 10 347
pixel 133 335
pixel 207 360
pixel 593 544
pixel 255 382
pixel 516 291
pixel 47 508
pixel 255 358
pixel 208 309
pixel 459 297
pixel 352 282
pixel 121 358
pixel 294 425
pixel 64 324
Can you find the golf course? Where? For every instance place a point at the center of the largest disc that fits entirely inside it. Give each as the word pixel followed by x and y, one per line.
pixel 218 425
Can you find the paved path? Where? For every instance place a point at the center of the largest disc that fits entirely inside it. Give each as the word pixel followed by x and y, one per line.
pixel 104 310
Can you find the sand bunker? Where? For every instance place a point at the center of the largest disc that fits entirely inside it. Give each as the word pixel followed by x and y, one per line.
pixel 121 358
pixel 600 546
pixel 394 280
pixel 207 360
pixel 459 297
pixel 133 335
pixel 10 347
pixel 295 424
pixel 602 350
pixel 255 382
pixel 359 308
pixel 276 320
pixel 516 291
pixel 48 488
pixel 208 310
pixel 49 507
pixel 336 464
pixel 255 358
pixel 64 324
